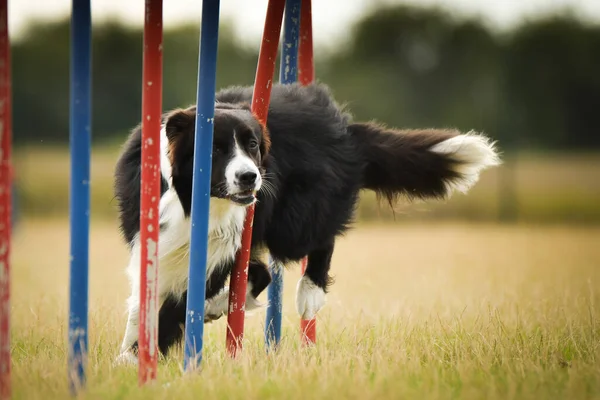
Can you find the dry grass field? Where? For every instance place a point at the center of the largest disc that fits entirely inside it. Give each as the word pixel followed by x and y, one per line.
pixel 419 311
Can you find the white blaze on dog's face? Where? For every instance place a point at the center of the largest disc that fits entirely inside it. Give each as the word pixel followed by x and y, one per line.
pixel 242 174
pixel 240 145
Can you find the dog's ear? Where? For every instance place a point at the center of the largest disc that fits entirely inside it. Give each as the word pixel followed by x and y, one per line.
pixel 179 121
pixel 265 143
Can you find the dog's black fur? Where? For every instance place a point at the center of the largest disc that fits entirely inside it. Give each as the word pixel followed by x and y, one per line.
pixel 315 160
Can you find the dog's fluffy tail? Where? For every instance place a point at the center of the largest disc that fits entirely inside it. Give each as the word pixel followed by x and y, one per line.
pixel 421 164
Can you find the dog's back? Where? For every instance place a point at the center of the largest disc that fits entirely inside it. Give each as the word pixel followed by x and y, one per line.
pixel 313 166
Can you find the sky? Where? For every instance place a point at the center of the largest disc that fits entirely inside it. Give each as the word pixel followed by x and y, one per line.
pixel 331 18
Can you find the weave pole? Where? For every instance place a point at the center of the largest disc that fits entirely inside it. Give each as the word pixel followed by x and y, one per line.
pixel 288 73
pixel 5 201
pixel 306 66
pixel 205 112
pixel 261 97
pixel 306 75
pixel 79 212
pixel 150 190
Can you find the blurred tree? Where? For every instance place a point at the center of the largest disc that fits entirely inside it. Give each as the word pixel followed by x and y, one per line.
pixel 415 67
pixel 408 67
pixel 41 77
pixel 40 86
pixel 553 78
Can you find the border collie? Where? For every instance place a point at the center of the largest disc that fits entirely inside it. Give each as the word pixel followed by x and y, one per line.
pixel 304 171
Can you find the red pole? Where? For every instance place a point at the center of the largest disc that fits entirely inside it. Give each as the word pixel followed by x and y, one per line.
pixel 306 75
pixel 306 66
pixel 308 327
pixel 150 190
pixel 5 201
pixel 260 108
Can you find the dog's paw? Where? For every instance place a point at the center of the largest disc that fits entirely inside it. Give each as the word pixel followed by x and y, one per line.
pixel 217 306
pixel 208 318
pixel 252 304
pixel 309 298
pixel 126 358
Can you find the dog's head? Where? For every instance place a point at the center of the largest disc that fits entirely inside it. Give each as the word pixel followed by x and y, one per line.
pixel 240 146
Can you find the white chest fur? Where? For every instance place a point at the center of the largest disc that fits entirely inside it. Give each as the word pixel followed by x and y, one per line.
pixel 225 227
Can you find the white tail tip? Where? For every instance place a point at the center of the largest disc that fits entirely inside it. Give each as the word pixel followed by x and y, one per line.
pixel 473 153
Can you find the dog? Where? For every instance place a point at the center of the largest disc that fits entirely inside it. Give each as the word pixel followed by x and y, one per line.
pixel 303 171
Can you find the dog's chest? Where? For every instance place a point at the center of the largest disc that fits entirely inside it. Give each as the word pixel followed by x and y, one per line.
pixel 225 227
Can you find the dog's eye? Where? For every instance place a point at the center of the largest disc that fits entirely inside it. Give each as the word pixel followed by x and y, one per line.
pixel 253 145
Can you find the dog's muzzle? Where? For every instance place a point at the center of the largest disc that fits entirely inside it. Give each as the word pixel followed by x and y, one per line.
pixel 246 184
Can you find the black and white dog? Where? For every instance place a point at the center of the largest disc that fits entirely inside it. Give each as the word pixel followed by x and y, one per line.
pixel 304 170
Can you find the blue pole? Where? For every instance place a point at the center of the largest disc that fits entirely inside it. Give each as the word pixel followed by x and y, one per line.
pixel 205 112
pixel 80 139
pixel 288 73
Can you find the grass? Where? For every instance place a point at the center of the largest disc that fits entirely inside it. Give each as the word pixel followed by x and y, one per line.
pixel 429 311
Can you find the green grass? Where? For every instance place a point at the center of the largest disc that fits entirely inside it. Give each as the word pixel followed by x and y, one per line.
pixel 429 311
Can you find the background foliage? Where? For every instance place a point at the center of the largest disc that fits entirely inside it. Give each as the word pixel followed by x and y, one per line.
pixel 536 89
pixel 537 86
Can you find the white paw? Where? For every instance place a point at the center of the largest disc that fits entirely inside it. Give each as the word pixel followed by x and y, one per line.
pixel 309 298
pixel 217 306
pixel 126 358
pixel 252 303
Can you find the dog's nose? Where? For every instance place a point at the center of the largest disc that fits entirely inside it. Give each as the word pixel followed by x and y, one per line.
pixel 246 178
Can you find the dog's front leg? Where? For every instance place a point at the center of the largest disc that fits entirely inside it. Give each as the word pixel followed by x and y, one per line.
pixel 129 345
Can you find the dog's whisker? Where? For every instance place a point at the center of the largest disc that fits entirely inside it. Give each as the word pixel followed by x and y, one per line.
pixel 269 189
